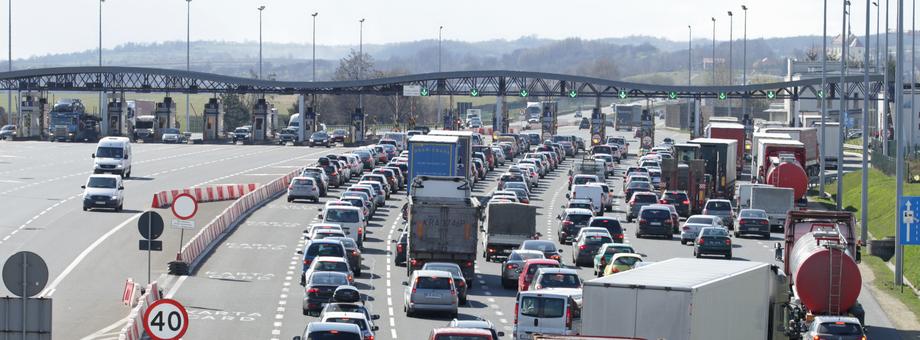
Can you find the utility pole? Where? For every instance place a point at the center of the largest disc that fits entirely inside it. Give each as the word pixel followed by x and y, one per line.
pixel 899 142
pixel 261 8
pixel 823 102
pixel 884 135
pixel 731 55
pixel 713 64
pixel 361 60
pixel 841 90
pixel 440 109
pixel 864 208
pixel 103 129
pixel 188 59
pixel 313 96
pixel 9 60
pixel 690 76
pixel 744 73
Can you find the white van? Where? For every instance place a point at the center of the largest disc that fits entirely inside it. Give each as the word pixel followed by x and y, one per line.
pixel 113 155
pixel 595 193
pixel 545 312
pixel 350 218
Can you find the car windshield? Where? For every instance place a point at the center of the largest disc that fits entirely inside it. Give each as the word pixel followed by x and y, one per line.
pixel 102 182
pixel 540 246
pixel 618 250
pixel 332 335
pixel 584 180
pixel 319 135
pixel 839 328
pixel 459 337
pixel 645 198
pixel 542 307
pixel 581 206
pixel 752 214
pixel 639 185
pixel 326 249
pixel 718 205
pixel 109 152
pixel 432 282
pixel 453 270
pixel 524 256
pixel 331 266
pixel 328 279
pixel 338 132
pixel 596 239
pixel 342 215
pixel 656 214
pixel 579 218
pixel 241 130
pixel 560 281
pixel 715 232
pixel 303 181
pixel 627 260
pixel 355 321
pixel 170 131
pixel 609 224
pixel 699 220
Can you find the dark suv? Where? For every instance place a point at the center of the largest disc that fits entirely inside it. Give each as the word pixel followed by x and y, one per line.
pixel 572 221
pixel 679 200
pixel 654 221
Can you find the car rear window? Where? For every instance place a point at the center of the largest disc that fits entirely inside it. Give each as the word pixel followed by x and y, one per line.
pixel 303 181
pixel 516 256
pixel 352 321
pixel 611 225
pixel 342 215
pixel 676 196
pixel 645 198
pixel 326 249
pixel 329 266
pixel 542 307
pixel 426 282
pixel 699 220
pixel 715 232
pixel 627 260
pixel 533 267
pixel 596 239
pixel 332 279
pixel 718 205
pixel 560 281
pixel 839 328
pixel 752 214
pixel 656 214
pixel 332 335
pixel 579 218
pixel 460 337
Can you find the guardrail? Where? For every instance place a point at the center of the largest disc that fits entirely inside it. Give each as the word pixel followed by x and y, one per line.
pixel 134 329
pixel 211 193
pixel 199 246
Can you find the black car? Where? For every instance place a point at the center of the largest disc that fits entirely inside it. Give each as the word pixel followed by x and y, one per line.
pixel 636 186
pixel 400 249
pixel 319 288
pixel 679 200
pixel 547 247
pixel 611 224
pixel 319 138
pixel 713 241
pixel 585 123
pixel 654 221
pixel 241 134
pixel 339 136
pixel 587 247
pixel 572 221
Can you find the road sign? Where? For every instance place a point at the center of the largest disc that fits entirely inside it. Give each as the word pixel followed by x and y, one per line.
pixel 25 274
pixel 184 206
pixel 424 92
pixel 622 94
pixel 672 95
pixel 596 138
pixel 183 224
pixel 166 319
pixel 820 93
pixel 412 90
pixel 150 225
pixel 474 92
pixel 573 93
pixel 722 96
pixel 771 94
pixel 150 245
pixel 524 93
pixel 909 210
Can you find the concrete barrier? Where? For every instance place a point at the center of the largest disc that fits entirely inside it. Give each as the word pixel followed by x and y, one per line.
pixel 210 193
pixel 134 329
pixel 199 246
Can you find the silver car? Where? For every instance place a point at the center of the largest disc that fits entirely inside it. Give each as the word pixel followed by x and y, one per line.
pixel 511 268
pixel 639 200
pixel 722 208
pixel 692 226
pixel 303 188
pixel 430 290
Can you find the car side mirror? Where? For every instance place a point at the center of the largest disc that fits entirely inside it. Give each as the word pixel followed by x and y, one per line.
pixel 92 156
pixel 375 317
pixel 376 328
pixel 126 157
pixel 567 196
pixel 303 284
pixel 300 252
pixel 558 217
pixel 500 334
pixel 319 216
pixel 559 250
pixel 296 338
pixel 405 283
pixel 121 187
pixel 82 187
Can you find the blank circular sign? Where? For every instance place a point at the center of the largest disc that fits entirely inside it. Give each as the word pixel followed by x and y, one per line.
pixel 184 206
pixel 25 274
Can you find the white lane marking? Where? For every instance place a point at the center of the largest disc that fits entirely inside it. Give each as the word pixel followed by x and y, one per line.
pixel 50 289
pixel 175 287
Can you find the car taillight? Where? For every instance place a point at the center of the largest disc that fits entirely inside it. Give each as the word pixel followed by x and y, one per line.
pixel 491 250
pixel 312 291
pixel 742 222
pixel 700 242
pixel 369 337
pixel 515 313
pixel 354 253
pixel 603 261
pixel 461 283
pixel 568 318
pixel 663 201
pixel 555 257
pixel 511 266
pixel 642 221
pixel 414 262
pixel 620 236
pixel 728 242
pixel 468 264
pixel 399 248
pixel 686 201
pixel 307 262
pixel 350 278
pixel 567 223
pixel 582 247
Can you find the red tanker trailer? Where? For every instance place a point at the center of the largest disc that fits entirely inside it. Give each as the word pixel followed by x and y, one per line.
pixel 820 259
pixel 786 172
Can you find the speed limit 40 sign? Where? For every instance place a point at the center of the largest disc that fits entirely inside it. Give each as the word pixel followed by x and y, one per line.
pixel 166 319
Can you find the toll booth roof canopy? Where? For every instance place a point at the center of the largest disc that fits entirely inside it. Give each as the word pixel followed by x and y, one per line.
pixel 433 139
pixel 451 133
pixel 712 141
pixel 724 125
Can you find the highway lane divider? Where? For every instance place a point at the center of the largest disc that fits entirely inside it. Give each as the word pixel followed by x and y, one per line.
pixel 200 246
pixel 134 329
pixel 211 193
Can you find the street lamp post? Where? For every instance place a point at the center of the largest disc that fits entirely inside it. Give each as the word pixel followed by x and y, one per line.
pixel 261 8
pixel 361 59
pixel 731 79
pixel 899 138
pixel 314 45
pixel 104 128
pixel 713 63
pixel 841 117
pixel 878 22
pixel 913 80
pixel 823 102
pixel 864 208
pixel 690 77
pixel 9 65
pixel 884 135
pixel 440 109
pixel 188 58
pixel 744 68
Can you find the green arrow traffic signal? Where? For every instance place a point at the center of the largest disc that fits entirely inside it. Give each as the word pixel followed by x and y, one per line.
pixel 722 96
pixel 771 94
pixel 672 95
pixel 573 93
pixel 821 94
pixel 523 93
pixel 474 92
pixel 424 92
pixel 622 94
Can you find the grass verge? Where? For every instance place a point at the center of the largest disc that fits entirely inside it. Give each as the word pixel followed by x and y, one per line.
pixel 885 282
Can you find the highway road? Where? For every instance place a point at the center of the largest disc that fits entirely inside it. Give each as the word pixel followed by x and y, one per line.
pixel 249 287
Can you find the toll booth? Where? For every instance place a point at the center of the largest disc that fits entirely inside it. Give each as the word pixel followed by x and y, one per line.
pixel 213 120
pixel 309 122
pixel 32 109
pixel 357 126
pixel 272 120
pixel 449 120
pixel 260 123
pixel 165 114
pixel 646 132
pixel 549 123
pixel 598 130
pixel 116 110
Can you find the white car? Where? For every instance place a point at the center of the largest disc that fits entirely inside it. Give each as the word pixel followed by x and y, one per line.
pixel 103 191
pixel 351 219
pixel 367 329
pixel 608 162
pixel 586 230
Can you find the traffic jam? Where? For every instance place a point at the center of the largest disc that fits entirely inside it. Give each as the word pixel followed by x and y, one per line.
pixel 567 281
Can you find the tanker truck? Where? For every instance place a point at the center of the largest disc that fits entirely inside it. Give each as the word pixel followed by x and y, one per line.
pixel 780 163
pixel 820 257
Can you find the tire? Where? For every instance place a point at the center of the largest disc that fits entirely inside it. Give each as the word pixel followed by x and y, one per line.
pixel 638 235
pixel 507 284
pixel 629 219
pixel 120 207
pixel 697 255
pixel 728 256
pixel 683 242
pixel 84 209
pixel 290 199
pixel 610 208
pixel 358 272
pixel 736 234
pixel 306 312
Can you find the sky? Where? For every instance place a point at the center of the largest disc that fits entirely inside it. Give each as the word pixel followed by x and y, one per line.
pixel 43 27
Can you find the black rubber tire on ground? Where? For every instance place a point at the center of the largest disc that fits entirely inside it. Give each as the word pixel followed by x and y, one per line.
pixel 119 208
pixel 306 312
pixel 289 199
pixel 728 257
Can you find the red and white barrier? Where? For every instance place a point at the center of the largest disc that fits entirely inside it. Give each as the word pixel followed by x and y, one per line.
pixel 134 329
pixel 200 244
pixel 211 193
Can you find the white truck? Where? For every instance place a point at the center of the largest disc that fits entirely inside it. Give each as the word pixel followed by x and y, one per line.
pixel 682 298
pixel 832 144
pixel 777 202
pixel 507 226
pixel 743 199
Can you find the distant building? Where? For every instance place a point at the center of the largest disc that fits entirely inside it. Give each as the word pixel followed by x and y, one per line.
pixel 855 48
pixel 798 70
pixel 708 63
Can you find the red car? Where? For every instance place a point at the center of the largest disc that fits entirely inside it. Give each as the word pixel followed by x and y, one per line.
pixel 460 333
pixel 530 268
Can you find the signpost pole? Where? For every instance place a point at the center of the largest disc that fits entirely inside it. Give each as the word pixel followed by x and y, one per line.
pixel 149 244
pixel 25 279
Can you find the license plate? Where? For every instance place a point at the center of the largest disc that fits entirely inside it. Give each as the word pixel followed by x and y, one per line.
pixel 100 202
pixel 656 223
pixel 432 296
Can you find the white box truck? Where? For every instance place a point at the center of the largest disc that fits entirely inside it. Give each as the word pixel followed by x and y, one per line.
pixel 743 199
pixel 777 202
pixel 681 298
pixel 832 144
